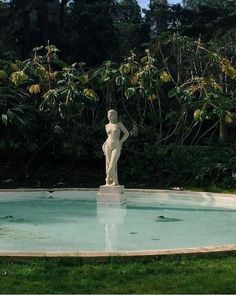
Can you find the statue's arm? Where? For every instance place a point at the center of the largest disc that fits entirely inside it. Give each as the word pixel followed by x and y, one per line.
pixel 103 146
pixel 125 131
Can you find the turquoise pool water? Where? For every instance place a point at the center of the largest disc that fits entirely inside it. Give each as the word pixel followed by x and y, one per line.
pixel 74 221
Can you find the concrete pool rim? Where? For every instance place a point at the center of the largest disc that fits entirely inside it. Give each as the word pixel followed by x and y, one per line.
pixel 132 253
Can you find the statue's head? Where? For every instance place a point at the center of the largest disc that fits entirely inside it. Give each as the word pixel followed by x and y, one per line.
pixel 112 116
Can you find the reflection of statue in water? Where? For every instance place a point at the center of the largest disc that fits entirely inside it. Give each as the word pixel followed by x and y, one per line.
pixel 111 237
pixel 112 216
pixel 112 146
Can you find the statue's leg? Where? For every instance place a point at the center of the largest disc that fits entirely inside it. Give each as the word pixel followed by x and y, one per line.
pixel 108 159
pixel 112 170
pixel 115 178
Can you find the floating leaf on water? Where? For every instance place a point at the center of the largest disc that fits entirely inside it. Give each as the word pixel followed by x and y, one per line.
pixel 162 218
pixel 6 217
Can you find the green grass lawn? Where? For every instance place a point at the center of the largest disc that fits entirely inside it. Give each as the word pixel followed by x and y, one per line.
pixel 203 274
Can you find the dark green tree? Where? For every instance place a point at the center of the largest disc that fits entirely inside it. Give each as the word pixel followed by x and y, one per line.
pixel 207 21
pixel 89 33
pixel 4 21
pixel 47 24
pixel 157 16
pixel 29 23
pixel 196 4
pixel 133 31
pixel 129 11
pixel 63 9
pixel 20 27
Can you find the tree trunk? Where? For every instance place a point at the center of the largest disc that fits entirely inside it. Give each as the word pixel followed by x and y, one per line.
pixel 223 131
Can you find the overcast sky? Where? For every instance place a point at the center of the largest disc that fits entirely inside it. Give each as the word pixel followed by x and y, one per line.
pixel 144 3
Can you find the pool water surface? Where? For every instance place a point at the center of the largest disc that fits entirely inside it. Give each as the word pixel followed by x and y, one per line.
pixel 75 221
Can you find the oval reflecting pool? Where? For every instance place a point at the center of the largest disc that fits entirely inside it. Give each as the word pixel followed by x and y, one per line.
pixel 150 220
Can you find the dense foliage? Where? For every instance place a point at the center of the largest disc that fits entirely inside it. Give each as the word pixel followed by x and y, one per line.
pixel 174 91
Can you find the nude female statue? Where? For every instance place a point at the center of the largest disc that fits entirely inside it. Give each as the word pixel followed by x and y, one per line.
pixel 112 146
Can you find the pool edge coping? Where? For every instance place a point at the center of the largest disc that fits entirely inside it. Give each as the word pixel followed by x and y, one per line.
pixel 137 253
pixel 126 190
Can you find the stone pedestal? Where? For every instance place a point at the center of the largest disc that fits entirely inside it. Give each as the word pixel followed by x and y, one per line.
pixel 112 194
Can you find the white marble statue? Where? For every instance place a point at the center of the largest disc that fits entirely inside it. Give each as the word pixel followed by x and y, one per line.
pixel 112 146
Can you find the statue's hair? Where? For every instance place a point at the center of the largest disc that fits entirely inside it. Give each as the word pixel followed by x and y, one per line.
pixel 113 111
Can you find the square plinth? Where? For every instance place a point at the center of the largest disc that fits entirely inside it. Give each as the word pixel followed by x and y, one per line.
pixel 111 189
pixel 111 194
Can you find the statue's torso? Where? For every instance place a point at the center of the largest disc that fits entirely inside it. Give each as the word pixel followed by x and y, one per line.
pixel 113 133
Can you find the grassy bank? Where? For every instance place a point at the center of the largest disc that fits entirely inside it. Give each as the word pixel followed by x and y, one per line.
pixel 205 274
